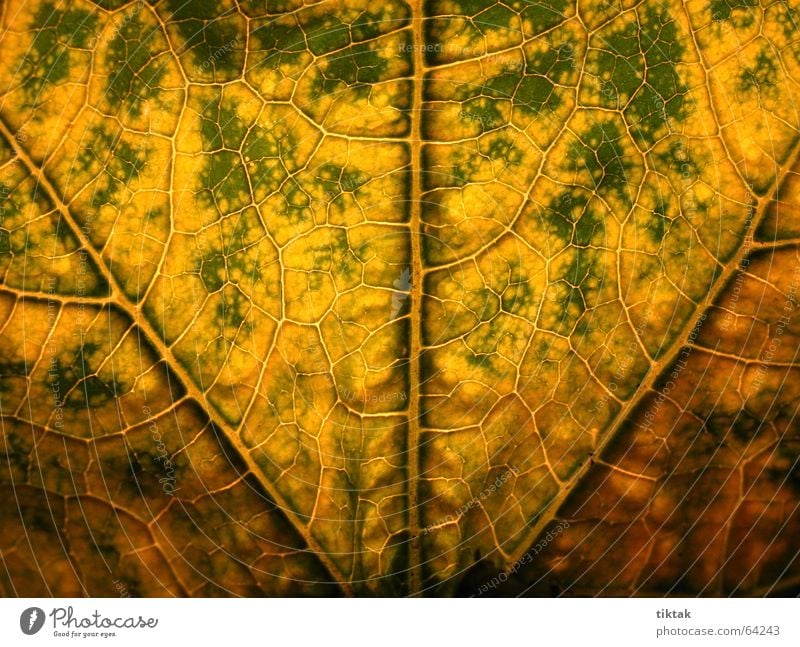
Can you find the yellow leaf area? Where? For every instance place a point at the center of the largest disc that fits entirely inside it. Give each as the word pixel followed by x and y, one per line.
pixel 388 298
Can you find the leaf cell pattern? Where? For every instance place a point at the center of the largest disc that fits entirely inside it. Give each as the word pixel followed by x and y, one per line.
pixel 390 298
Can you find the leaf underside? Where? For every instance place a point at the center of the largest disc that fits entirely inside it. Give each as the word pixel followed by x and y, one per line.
pixel 374 297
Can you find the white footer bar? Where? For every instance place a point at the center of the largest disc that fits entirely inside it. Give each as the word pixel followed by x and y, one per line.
pixel 400 622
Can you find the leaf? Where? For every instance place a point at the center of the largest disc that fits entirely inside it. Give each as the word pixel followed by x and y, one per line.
pixel 400 295
pixel 357 298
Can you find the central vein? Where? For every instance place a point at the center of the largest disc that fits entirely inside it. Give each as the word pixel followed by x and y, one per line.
pixel 414 575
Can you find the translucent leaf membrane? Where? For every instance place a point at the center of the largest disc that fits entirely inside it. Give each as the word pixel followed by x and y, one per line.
pixel 358 298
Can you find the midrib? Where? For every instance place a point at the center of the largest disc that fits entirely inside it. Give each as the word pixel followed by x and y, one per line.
pixel 415 225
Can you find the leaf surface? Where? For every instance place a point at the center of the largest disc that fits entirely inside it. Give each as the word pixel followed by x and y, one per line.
pixel 387 298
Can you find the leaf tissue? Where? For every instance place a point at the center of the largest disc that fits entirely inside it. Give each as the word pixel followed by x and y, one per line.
pixel 392 298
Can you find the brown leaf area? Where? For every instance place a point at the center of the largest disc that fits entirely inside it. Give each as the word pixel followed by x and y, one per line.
pixel 388 298
pixel 697 494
